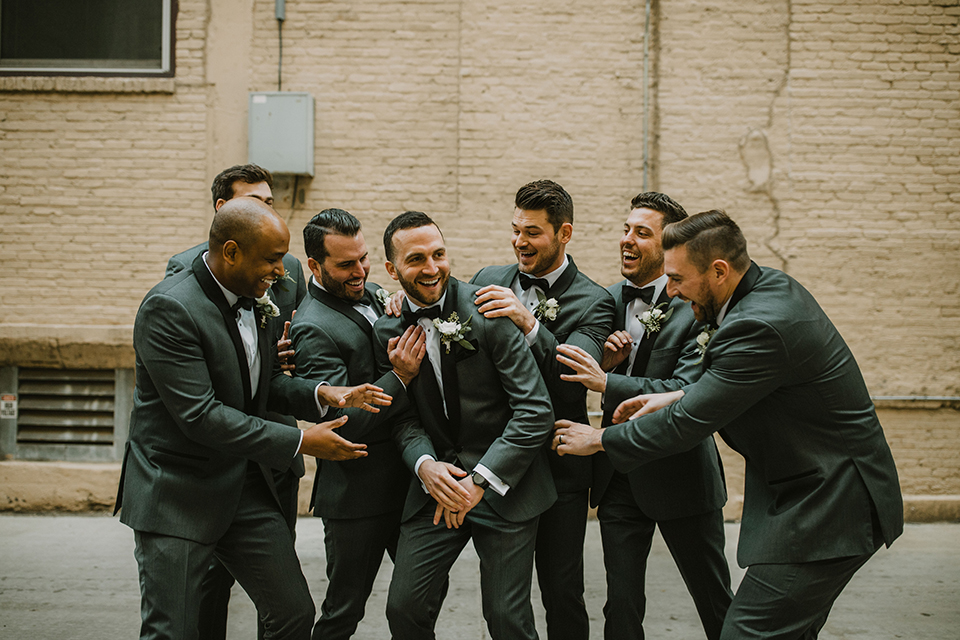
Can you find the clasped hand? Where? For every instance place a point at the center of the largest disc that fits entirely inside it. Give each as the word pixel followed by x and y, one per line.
pixel 452 488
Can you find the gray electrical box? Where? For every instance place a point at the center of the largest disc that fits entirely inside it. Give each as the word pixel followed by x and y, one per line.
pixel 281 132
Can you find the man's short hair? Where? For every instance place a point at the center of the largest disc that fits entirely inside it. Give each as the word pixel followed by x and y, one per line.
pixel 661 203
pixel 406 220
pixel 709 236
pixel 329 221
pixel 241 222
pixel 546 195
pixel 222 187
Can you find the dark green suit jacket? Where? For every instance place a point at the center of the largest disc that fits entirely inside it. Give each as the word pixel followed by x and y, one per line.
pixel 683 484
pixel 499 407
pixel 334 343
pixel 195 424
pixel 784 390
pixel 585 319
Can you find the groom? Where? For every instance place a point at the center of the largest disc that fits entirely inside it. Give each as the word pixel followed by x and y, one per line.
pixel 475 443
pixel 783 389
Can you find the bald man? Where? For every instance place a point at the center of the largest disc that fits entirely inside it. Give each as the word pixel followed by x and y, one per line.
pixel 197 481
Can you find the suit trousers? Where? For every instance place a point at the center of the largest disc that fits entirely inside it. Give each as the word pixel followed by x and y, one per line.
pixel 696 544
pixel 559 561
pixel 216 585
pixel 257 549
pixel 788 601
pixel 425 554
pixel 354 550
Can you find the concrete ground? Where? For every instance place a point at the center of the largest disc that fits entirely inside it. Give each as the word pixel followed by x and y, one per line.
pixel 74 578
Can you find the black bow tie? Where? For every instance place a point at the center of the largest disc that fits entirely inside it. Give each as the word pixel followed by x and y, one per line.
pixel 526 282
pixel 242 303
pixel 411 317
pixel 630 293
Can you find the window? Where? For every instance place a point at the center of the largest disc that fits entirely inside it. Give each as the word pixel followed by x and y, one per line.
pixel 86 37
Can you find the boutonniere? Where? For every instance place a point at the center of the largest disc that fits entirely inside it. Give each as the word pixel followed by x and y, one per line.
pixel 383 296
pixel 285 276
pixel 547 308
pixel 452 330
pixel 703 340
pixel 267 309
pixel 653 319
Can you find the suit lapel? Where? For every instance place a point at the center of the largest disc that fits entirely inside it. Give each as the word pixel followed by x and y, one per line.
pixel 345 308
pixel 565 280
pixel 265 346
pixel 649 340
pixel 745 286
pixel 448 363
pixel 212 290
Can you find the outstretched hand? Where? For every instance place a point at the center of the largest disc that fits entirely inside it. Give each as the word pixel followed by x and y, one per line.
pixel 586 370
pixel 320 441
pixel 644 404
pixel 364 396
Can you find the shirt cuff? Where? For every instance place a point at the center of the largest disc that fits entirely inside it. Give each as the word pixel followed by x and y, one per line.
pixel 495 482
pixel 416 469
pixel 531 338
pixel 404 388
pixel 299 444
pixel 321 408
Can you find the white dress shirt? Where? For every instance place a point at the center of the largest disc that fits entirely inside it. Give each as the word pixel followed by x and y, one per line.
pixel 530 299
pixel 636 308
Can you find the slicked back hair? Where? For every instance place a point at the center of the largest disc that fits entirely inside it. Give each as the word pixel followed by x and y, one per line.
pixel 406 220
pixel 546 195
pixel 222 187
pixel 662 203
pixel 709 236
pixel 329 221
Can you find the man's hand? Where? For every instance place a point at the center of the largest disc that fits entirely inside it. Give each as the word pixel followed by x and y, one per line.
pixel 496 301
pixel 394 305
pixel 643 404
pixel 364 396
pixel 320 441
pixel 442 481
pixel 586 370
pixel 284 347
pixel 406 352
pixel 576 439
pixel 615 350
pixel 453 518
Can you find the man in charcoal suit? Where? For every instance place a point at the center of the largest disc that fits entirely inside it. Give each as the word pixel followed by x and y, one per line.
pixel 359 500
pixel 475 444
pixel 553 303
pixel 196 480
pixel 653 349
pixel 783 389
pixel 252 181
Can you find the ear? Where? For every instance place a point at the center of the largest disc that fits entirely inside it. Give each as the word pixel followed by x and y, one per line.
pixel 566 233
pixel 314 267
pixel 391 270
pixel 231 252
pixel 220 202
pixel 720 269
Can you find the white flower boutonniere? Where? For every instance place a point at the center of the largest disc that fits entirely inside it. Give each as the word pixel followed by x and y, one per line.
pixel 383 296
pixel 546 309
pixel 267 309
pixel 653 319
pixel 703 340
pixel 451 330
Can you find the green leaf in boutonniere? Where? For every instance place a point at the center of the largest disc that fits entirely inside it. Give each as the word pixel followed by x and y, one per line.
pixel 703 340
pixel 267 309
pixel 451 330
pixel 653 319
pixel 547 308
pixel 279 282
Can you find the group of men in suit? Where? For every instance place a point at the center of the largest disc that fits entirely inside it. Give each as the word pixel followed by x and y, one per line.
pixel 446 396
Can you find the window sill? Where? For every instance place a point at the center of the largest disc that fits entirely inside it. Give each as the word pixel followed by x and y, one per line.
pixel 86 84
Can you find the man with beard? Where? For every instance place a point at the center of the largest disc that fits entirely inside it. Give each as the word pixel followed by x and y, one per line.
pixel 475 444
pixel 359 500
pixel 653 349
pixel 553 303
pixel 783 389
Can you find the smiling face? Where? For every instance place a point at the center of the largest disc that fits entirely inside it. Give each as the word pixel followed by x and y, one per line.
pixel 701 290
pixel 259 262
pixel 345 269
pixel 641 252
pixel 539 249
pixel 420 263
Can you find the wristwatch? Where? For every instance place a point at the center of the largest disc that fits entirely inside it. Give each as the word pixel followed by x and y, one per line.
pixel 480 481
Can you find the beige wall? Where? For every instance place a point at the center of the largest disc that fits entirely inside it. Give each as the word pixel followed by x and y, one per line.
pixel 830 130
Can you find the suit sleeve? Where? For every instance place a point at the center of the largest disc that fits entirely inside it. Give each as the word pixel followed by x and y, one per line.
pixel 168 344
pixel 531 422
pixel 591 332
pixel 174 265
pixel 319 359
pixel 748 360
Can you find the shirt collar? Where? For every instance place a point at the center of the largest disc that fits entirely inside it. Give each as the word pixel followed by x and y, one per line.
pixel 554 275
pixel 229 295
pixel 659 285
